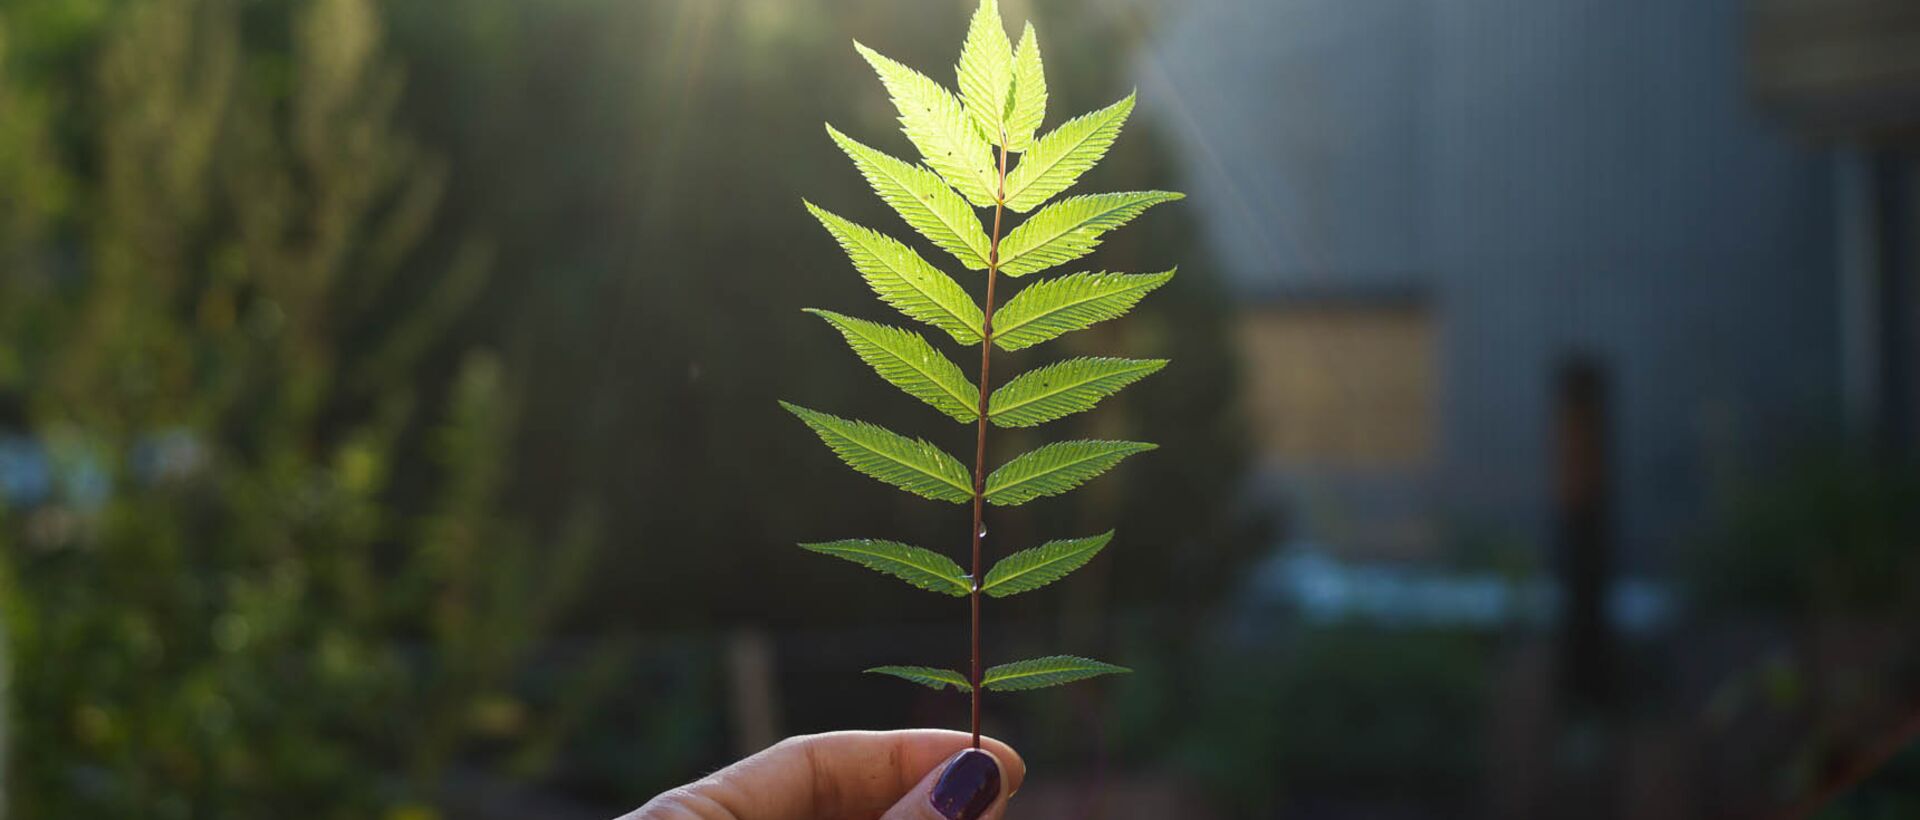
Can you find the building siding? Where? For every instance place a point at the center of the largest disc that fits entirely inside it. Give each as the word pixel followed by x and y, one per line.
pixel 1567 177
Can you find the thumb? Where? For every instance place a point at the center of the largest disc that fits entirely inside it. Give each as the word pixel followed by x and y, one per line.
pixel 967 787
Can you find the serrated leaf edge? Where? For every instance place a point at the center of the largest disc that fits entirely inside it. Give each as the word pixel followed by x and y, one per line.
pixel 1144 282
pixel 996 677
pixel 931 677
pixel 806 415
pixel 971 322
pixel 966 403
pixel 1141 368
pixel 961 587
pixel 1122 201
pixel 1129 448
pixel 1025 176
pixel 1094 544
pixel 974 241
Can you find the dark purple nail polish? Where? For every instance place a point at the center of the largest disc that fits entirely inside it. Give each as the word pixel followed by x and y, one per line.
pixel 967 787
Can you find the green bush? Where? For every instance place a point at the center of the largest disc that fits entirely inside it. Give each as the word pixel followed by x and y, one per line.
pixel 270 577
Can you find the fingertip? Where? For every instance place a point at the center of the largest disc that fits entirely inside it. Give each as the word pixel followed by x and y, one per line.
pixel 1012 766
pixel 971 785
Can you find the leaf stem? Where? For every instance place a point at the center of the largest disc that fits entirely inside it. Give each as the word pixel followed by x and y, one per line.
pixel 980 440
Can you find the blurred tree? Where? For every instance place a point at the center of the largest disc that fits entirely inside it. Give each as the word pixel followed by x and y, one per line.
pixel 246 590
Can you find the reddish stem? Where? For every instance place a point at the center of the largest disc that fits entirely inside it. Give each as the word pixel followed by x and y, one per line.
pixel 1856 770
pixel 980 440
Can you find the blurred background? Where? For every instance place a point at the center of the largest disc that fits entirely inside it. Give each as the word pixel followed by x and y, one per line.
pixel 387 421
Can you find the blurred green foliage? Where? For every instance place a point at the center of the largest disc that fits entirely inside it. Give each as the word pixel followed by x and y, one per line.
pixel 1340 711
pixel 1831 532
pixel 272 576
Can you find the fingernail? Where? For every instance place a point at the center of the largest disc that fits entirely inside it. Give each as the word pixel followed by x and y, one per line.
pixel 968 786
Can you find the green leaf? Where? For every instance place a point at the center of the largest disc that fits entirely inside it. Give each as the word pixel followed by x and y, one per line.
pixel 1056 161
pixel 1029 93
pixel 1071 228
pixel 923 199
pixel 905 280
pixel 1055 469
pixel 927 676
pixel 1049 309
pixel 1028 570
pixel 938 126
pixel 906 360
pixel 908 463
pixel 922 568
pixel 1040 673
pixel 986 71
pixel 1062 389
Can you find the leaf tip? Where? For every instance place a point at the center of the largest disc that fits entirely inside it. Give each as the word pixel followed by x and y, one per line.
pixel 880 62
pixel 821 312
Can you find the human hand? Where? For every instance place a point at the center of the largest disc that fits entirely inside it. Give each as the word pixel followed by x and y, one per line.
pixel 919 774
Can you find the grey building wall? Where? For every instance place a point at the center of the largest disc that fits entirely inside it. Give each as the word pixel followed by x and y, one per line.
pixel 1558 176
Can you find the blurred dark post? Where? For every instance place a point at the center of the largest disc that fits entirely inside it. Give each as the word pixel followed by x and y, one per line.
pixel 1897 233
pixel 1586 653
pixel 752 687
pixel 1845 72
pixel 1880 300
pixel 1585 786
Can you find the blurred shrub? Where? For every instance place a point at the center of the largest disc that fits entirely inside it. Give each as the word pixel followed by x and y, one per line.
pixel 1345 710
pixel 269 575
pixel 1836 531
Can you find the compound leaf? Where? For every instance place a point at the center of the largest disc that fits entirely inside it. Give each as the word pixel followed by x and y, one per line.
pixel 937 125
pixel 1055 469
pixel 927 676
pixel 905 359
pixel 904 279
pixel 1040 673
pixel 1057 160
pixel 1048 309
pixel 922 568
pixel 1001 101
pixel 908 463
pixel 1064 388
pixel 1070 228
pixel 1029 93
pixel 986 71
pixel 1028 570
